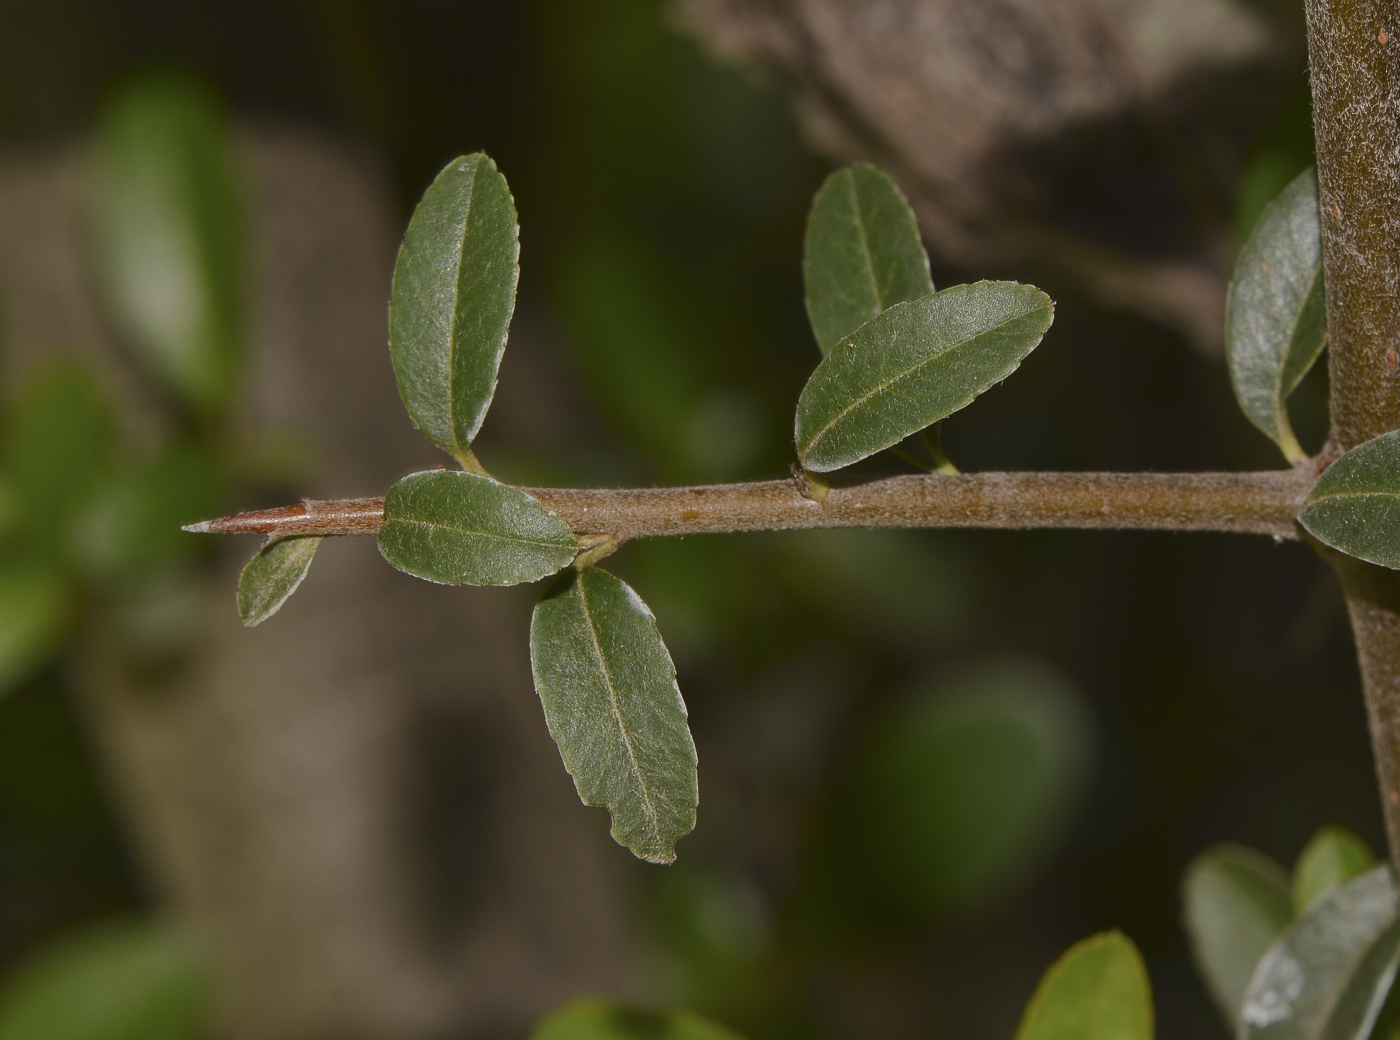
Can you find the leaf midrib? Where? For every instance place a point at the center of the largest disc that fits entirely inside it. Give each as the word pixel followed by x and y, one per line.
pixel 470 532
pixel 456 297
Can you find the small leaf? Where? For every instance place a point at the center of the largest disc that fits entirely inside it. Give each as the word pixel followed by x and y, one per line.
pixel 452 300
pixel 459 528
pixel 1098 990
pixel 914 364
pixel 613 707
pixel 35 611
pixel 1236 904
pixel 1355 505
pixel 168 228
pixel 129 981
pixel 1276 316
pixel 1332 858
pixel 590 1019
pixel 862 253
pixel 269 578
pixel 1327 976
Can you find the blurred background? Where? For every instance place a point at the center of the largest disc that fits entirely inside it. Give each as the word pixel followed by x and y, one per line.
pixel 929 761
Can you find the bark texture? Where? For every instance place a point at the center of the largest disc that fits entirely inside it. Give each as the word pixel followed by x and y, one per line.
pixel 1355 62
pixel 358 804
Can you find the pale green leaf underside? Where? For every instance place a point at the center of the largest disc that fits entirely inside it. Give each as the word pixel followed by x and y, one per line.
pixel 1355 505
pixel 452 300
pixel 1333 857
pixel 269 578
pixel 861 254
pixel 1236 903
pixel 1276 315
pixel 1098 990
pixel 590 1019
pixel 914 364
pixel 613 707
pixel 459 528
pixel 1327 976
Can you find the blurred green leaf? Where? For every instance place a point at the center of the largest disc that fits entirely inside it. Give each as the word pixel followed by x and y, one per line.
pixel 1355 505
pixel 914 364
pixel 459 528
pixel 961 791
pixel 133 522
pixel 1098 990
pixel 1328 975
pixel 129 981
pixel 590 1019
pixel 861 254
pixel 168 226
pixel 269 578
pixel 452 301
pixel 35 611
pixel 1236 904
pixel 1333 857
pixel 1276 316
pixel 613 707
pixel 58 444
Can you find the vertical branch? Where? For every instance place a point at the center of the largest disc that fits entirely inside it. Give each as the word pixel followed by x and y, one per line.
pixel 1354 56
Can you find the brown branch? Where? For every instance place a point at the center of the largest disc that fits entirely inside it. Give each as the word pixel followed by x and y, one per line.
pixel 1246 503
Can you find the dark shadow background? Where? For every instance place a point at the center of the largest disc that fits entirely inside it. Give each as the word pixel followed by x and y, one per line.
pixel 662 200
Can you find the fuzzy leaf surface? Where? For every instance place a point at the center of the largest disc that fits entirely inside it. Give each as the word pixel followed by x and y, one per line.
pixel 452 300
pixel 914 364
pixel 1355 505
pixel 611 700
pixel 1236 903
pixel 459 528
pixel 1276 315
pixel 1098 990
pixel 269 578
pixel 862 253
pixel 1333 857
pixel 1327 976
pixel 590 1019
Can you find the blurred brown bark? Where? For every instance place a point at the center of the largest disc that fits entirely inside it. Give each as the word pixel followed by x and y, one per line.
pixel 1000 120
pixel 358 804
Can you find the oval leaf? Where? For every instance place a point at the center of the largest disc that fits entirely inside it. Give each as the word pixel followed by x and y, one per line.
pixel 453 296
pixel 1355 506
pixel 600 1020
pixel 1327 976
pixel 269 578
pixel 861 254
pixel 130 981
pixel 459 528
pixel 1236 904
pixel 168 228
pixel 613 707
pixel 914 364
pixel 1332 858
pixel 1276 317
pixel 1098 990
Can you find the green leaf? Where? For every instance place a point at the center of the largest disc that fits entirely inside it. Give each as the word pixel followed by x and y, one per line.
pixel 1355 505
pixel 862 253
pixel 129 981
pixel 613 707
pixel 456 528
pixel 58 445
pixel 1098 990
pixel 168 227
pixel 590 1019
pixel 1327 976
pixel 269 578
pixel 1236 904
pixel 35 611
pixel 914 364
pixel 453 296
pixel 1332 858
pixel 1276 315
